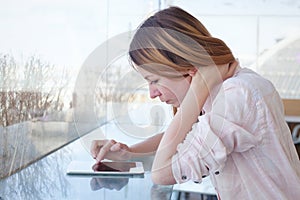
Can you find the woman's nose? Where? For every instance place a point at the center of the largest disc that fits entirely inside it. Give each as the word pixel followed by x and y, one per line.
pixel 154 92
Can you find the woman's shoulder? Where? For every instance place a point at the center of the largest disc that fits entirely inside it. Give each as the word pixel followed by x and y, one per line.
pixel 244 76
pixel 249 80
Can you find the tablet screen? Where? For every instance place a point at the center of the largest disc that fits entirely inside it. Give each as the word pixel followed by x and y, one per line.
pixel 114 166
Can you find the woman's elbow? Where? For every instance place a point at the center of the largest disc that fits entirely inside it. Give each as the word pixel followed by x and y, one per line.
pixel 161 178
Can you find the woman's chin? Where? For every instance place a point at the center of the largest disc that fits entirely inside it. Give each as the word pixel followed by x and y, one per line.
pixel 176 105
pixel 172 103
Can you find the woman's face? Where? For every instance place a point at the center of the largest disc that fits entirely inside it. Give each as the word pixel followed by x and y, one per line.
pixel 170 91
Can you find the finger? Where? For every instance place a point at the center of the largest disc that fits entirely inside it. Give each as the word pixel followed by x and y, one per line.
pixel 104 150
pixel 116 147
pixel 95 147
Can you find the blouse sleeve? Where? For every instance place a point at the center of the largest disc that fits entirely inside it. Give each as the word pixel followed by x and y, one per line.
pixel 211 140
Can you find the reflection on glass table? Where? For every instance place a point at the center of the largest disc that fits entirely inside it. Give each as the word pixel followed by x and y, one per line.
pixel 108 183
pixel 47 179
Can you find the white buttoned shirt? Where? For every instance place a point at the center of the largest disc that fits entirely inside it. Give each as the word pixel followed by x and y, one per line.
pixel 243 142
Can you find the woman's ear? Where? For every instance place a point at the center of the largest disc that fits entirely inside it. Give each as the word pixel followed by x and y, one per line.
pixel 230 70
pixel 192 72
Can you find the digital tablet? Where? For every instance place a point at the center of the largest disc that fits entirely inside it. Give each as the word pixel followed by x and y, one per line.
pixel 108 168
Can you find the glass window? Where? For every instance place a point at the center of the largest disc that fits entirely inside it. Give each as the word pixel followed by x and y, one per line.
pixel 44 46
pixel 64 68
pixel 263 35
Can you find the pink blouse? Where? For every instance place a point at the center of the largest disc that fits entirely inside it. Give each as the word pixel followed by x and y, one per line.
pixel 243 142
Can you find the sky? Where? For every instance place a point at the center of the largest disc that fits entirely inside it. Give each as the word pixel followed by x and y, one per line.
pixel 57 31
pixel 62 32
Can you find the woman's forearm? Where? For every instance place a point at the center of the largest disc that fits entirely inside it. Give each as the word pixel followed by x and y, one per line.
pixel 182 123
pixel 146 147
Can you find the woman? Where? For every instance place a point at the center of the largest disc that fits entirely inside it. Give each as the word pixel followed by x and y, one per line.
pixel 241 139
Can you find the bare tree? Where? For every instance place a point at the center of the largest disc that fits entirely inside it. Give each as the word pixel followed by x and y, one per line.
pixel 27 91
pixel 31 90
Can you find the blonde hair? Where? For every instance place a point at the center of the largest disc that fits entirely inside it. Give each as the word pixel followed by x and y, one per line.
pixel 172 40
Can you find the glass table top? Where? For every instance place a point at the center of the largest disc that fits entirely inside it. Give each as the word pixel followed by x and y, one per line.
pixel 47 179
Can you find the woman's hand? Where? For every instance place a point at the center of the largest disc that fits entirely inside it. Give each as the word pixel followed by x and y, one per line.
pixel 214 75
pixel 109 149
pixel 205 79
pixel 112 150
